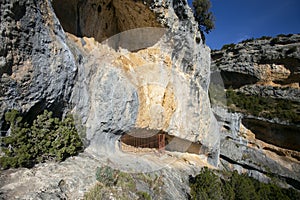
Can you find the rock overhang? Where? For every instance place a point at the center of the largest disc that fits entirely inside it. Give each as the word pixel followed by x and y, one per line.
pixel 102 19
pixel 168 92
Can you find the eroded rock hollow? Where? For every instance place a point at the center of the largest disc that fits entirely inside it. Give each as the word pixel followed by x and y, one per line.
pixel 102 19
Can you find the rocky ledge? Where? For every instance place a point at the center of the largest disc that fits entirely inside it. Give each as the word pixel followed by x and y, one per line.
pixel 261 119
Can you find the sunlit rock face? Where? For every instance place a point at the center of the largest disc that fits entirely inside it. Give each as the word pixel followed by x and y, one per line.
pixel 69 55
pixel 265 61
pixel 267 68
pixel 156 81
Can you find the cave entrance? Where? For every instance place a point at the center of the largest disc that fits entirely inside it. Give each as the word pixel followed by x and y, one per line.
pixel 145 140
pixel 102 19
pixel 139 140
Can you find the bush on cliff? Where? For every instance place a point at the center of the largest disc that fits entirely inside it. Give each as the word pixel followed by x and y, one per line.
pixel 266 107
pixel 47 138
pixel 116 184
pixel 232 186
pixel 205 18
pixel 207 185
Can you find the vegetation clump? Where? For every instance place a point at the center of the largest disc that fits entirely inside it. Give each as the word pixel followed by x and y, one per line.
pixel 48 138
pixel 116 184
pixel 265 37
pixel 204 17
pixel 266 107
pixel 291 50
pixel 247 40
pixel 274 41
pixel 228 46
pixel 233 186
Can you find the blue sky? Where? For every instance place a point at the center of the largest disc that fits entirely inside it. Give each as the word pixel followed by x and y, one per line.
pixel 237 20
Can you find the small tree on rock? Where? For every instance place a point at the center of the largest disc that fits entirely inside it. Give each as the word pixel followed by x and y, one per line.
pixel 203 16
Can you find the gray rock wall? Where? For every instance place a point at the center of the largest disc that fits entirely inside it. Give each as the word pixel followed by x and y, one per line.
pixel 162 86
pixel 37 69
pixel 265 67
pixel 158 86
pixel 263 60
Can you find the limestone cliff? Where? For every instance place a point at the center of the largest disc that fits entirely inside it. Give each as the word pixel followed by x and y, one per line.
pixel 160 88
pixel 75 56
pixel 262 138
pixel 37 68
pixel 163 87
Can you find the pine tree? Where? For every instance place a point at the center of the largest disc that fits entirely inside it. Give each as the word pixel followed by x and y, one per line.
pixel 48 138
pixel 203 16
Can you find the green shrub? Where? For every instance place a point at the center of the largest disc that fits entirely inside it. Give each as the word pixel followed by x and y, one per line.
pixel 274 41
pixel 236 187
pixel 228 192
pixel 291 50
pixel 243 187
pixel 106 175
pixel 144 195
pixel 95 193
pixel 265 38
pixel 113 183
pixel 47 138
pixel 283 35
pixel 206 185
pixel 228 46
pixel 203 16
pixel 266 107
pixel 247 40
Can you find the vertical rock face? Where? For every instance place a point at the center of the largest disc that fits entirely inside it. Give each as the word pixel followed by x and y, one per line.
pixel 37 69
pixel 149 78
pixel 264 61
pixel 161 86
pixel 65 56
pixel 267 69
